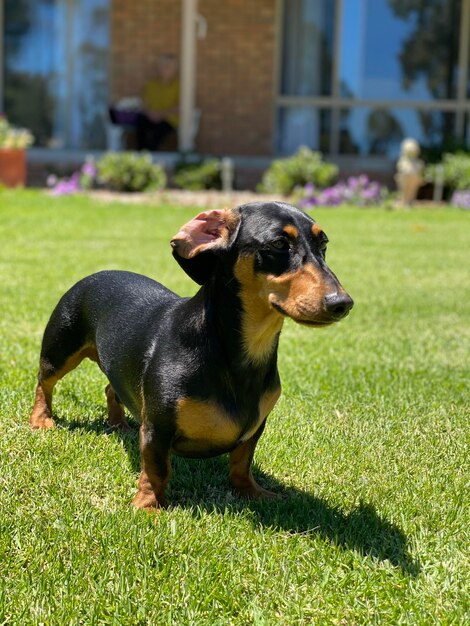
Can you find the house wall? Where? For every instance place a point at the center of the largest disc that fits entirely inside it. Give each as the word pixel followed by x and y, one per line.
pixel 141 30
pixel 235 77
pixel 235 66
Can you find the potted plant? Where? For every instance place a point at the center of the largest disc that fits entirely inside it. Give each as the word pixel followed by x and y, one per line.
pixel 13 145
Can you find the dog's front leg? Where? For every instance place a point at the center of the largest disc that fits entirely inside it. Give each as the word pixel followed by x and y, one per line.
pixel 240 474
pixel 156 470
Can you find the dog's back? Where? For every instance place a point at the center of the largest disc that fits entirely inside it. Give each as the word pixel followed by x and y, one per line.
pixel 104 317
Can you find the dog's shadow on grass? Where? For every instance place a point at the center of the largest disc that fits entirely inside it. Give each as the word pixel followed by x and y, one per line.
pixel 203 484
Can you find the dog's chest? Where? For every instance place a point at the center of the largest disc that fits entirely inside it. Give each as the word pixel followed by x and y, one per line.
pixel 205 428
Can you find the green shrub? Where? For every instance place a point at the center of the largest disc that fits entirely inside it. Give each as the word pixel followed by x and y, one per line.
pixel 305 166
pixel 455 170
pixel 128 171
pixel 196 174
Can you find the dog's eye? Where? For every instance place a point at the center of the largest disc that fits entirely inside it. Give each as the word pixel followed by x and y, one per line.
pixel 322 244
pixel 279 244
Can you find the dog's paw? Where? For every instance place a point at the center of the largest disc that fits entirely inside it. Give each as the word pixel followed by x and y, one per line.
pixel 41 422
pixel 249 488
pixel 147 501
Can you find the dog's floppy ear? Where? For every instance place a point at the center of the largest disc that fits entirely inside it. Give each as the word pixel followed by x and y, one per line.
pixel 198 242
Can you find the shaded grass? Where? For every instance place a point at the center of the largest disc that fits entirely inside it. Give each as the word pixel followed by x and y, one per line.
pixel 368 445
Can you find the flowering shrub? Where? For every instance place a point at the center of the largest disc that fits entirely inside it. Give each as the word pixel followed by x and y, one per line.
pixel 357 190
pixel 119 171
pixel 461 199
pixel 81 180
pixel 14 138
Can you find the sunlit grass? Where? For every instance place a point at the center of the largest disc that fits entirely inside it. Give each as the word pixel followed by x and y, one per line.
pixel 368 444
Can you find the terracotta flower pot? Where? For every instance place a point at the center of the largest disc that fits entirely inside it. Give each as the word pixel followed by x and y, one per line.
pixel 12 167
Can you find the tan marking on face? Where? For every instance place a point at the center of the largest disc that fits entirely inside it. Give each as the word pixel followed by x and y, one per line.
pixel 316 229
pixel 265 406
pixel 291 231
pixel 260 323
pixel 299 293
pixel 205 422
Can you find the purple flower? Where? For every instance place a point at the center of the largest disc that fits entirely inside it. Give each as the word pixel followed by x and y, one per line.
pixel 331 196
pixel 461 199
pixel 67 186
pixel 353 182
pixel 89 169
pixel 308 202
pixel 368 194
pixel 358 190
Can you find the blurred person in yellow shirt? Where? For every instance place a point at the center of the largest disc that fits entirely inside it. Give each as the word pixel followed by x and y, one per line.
pixel 160 114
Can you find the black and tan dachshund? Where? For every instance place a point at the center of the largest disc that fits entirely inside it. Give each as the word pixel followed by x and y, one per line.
pixel 199 374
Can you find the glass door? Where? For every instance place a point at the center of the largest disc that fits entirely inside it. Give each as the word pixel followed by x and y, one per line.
pixel 56 70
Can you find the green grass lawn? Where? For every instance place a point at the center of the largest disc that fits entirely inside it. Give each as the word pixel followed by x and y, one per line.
pixel 368 444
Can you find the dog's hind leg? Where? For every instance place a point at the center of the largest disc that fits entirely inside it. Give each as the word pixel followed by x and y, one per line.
pixel 156 470
pixel 41 415
pixel 64 346
pixel 49 375
pixel 116 418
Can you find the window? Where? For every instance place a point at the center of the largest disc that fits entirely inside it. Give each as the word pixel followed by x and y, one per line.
pixel 378 131
pixel 308 48
pixel 357 76
pixel 56 70
pixel 395 50
pixel 303 126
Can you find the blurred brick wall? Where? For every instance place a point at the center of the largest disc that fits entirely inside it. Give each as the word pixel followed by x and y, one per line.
pixel 235 65
pixel 235 76
pixel 141 30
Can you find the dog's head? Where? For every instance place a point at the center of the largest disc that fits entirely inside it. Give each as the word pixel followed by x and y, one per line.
pixel 275 251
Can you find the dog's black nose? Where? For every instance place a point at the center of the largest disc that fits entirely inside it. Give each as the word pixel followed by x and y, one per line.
pixel 338 305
